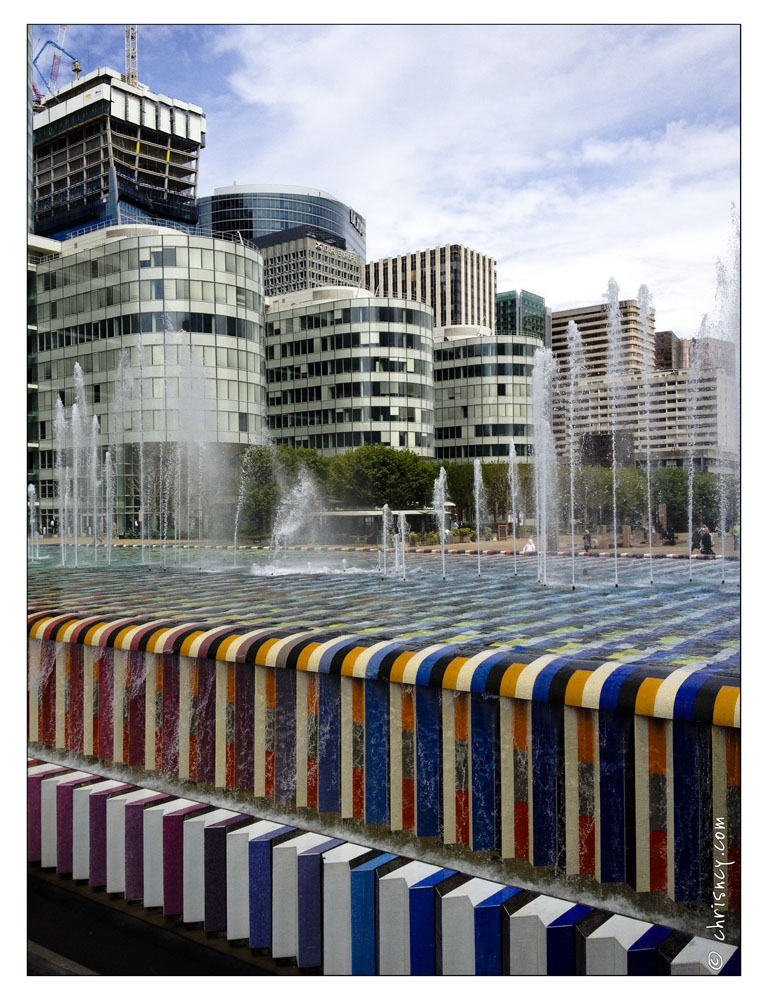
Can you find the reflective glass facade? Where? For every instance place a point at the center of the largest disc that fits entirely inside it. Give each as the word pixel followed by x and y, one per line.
pixel 483 396
pixel 256 211
pixel 351 371
pixel 168 332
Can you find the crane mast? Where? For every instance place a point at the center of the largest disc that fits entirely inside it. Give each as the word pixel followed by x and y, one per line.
pixel 56 61
pixel 131 54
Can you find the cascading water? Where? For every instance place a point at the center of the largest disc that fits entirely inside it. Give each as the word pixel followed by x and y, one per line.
pixel 479 494
pixel 545 469
pixel 576 372
pixel 512 479
pixel 614 373
pixel 644 308
pixel 438 502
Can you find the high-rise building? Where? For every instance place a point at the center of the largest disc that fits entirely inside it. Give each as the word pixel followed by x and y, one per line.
pixel 637 350
pixel 459 284
pixel 306 257
pixel 106 151
pixel 672 352
pixel 149 345
pixel 256 210
pixel 346 368
pixel 666 410
pixel 482 394
pixel 523 313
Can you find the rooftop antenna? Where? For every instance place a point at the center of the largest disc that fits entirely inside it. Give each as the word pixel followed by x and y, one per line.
pixel 131 54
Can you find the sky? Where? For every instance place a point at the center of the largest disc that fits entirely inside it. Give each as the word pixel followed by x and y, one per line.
pixel 571 154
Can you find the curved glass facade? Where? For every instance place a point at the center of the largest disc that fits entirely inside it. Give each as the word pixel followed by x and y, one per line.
pixel 168 332
pixel 483 396
pixel 259 210
pixel 350 371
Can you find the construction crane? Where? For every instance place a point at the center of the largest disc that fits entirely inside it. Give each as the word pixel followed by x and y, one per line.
pixel 131 54
pixel 76 67
pixel 56 61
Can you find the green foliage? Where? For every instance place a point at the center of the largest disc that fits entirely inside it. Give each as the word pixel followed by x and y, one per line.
pixel 460 479
pixel 269 472
pixel 373 475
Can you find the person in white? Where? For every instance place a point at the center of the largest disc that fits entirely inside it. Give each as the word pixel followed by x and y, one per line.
pixel 529 546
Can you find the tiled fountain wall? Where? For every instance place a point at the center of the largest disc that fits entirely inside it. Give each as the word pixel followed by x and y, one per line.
pixel 594 769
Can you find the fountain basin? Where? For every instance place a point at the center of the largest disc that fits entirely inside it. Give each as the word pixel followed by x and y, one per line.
pixel 595 741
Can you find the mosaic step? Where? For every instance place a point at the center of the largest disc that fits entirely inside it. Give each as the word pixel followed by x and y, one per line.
pixel 327 904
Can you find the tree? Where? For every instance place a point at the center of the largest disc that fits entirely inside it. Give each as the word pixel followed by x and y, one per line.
pixel 269 473
pixel 373 475
pixel 460 478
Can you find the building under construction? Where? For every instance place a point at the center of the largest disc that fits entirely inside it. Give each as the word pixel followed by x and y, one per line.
pixel 110 150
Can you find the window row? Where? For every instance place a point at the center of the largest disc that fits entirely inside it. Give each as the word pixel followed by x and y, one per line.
pixel 98 264
pixel 340 366
pixel 192 358
pixel 353 314
pixel 482 371
pixel 148 322
pixel 492 348
pixel 376 414
pixel 168 289
pixel 354 439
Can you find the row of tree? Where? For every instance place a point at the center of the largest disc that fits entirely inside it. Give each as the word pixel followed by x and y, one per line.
pixel 370 476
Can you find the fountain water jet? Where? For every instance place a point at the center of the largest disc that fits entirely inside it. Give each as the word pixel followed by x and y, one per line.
pixel 512 491
pixel 613 373
pixel 479 493
pixel 109 501
pixel 33 541
pixel 576 372
pixel 644 306
pixel 386 531
pixel 438 502
pixel 545 478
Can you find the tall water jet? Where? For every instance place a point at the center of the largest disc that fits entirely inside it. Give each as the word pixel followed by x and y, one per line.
pixel 576 372
pixel 694 382
pixel 60 475
pixel 614 372
pixel 77 444
pixel 479 494
pixel 33 540
pixel 239 509
pixel 142 472
pixel 512 485
pixel 93 481
pixel 438 502
pixel 109 502
pixel 294 511
pixel 644 307
pixel 402 530
pixel 545 470
pixel 386 531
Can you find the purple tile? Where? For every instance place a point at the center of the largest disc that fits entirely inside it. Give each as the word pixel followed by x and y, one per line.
pixel 173 857
pixel 64 800
pixel 134 843
pixel 97 832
